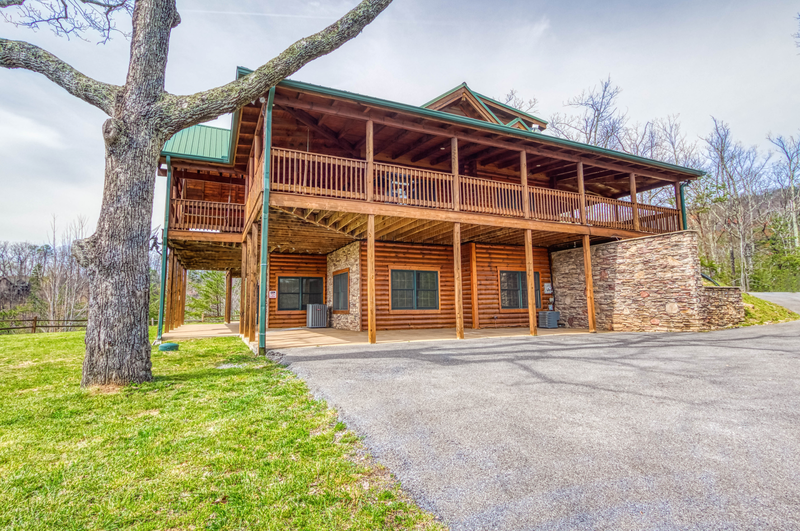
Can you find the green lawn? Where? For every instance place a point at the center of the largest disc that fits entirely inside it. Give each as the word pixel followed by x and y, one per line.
pixel 758 312
pixel 201 447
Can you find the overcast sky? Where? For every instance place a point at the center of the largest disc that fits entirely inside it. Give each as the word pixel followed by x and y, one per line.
pixel 733 60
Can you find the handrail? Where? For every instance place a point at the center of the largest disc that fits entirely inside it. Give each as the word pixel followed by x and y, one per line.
pixel 208 216
pixel 305 173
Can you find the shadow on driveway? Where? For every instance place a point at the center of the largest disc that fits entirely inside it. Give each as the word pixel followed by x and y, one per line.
pixel 612 431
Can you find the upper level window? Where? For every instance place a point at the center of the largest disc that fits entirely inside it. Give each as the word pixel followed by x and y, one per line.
pixel 415 290
pixel 514 290
pixel 341 291
pixel 295 293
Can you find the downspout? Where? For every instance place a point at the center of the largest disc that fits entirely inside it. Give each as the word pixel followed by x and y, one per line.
pixel 264 284
pixel 164 240
pixel 683 204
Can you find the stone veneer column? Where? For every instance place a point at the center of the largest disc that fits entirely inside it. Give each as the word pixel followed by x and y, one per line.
pixel 346 257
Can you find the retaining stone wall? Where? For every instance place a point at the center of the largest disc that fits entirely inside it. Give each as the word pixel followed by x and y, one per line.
pixel 348 256
pixel 650 284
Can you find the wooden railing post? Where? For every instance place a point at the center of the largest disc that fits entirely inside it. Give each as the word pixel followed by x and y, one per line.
pixel 457 274
pixel 634 203
pixel 582 192
pixel 523 170
pixel 228 287
pixel 531 277
pixel 371 315
pixel 587 271
pixel 370 174
pixel 454 171
pixel 35 317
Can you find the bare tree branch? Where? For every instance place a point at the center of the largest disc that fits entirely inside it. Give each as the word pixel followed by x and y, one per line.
pixel 19 54
pixel 185 111
pixel 68 17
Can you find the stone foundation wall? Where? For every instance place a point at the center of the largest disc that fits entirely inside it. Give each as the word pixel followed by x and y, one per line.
pixel 722 306
pixel 649 284
pixel 344 258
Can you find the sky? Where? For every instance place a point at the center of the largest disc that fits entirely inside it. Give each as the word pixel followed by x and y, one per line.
pixel 733 60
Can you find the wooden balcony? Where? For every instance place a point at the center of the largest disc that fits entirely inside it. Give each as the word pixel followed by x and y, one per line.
pixel 207 216
pixel 316 175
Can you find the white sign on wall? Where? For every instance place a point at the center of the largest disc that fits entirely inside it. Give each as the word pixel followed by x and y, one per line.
pixel 273 294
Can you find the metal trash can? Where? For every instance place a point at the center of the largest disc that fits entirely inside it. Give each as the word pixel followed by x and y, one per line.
pixel 549 319
pixel 317 316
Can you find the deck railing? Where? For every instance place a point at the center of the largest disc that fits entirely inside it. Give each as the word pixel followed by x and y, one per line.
pixel 299 172
pixel 313 174
pixel 491 197
pixel 207 216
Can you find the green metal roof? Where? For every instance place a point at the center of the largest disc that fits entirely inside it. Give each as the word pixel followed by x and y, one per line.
pixel 510 108
pixel 186 147
pixel 483 99
pixel 200 142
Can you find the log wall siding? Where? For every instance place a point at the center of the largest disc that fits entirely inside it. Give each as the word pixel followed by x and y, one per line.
pixel 293 265
pixel 491 259
pixel 409 256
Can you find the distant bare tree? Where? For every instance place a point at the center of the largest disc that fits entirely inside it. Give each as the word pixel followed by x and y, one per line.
pixel 599 121
pixel 513 99
pixel 142 117
pixel 787 171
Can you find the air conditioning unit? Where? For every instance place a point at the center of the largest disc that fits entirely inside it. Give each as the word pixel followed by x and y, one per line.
pixel 548 319
pixel 317 316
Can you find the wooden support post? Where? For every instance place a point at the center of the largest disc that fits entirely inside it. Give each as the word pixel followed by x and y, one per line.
pixel 228 288
pixel 370 145
pixel 587 271
pixel 167 257
pixel 458 286
pixel 454 170
pixel 635 203
pixel 254 317
pixel 582 192
pixel 183 295
pixel 473 280
pixel 243 290
pixel 526 197
pixel 371 324
pixel 33 328
pixel 678 205
pixel 531 281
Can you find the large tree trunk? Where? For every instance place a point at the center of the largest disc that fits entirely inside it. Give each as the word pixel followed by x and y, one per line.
pixel 117 342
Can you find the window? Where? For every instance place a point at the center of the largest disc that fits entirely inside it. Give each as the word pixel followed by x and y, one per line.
pixel 295 293
pixel 415 290
pixel 341 291
pixel 514 290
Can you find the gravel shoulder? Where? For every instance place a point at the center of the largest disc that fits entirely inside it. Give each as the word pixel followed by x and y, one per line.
pixel 611 431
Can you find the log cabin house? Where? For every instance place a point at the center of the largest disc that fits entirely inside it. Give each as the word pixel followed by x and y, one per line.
pixel 446 215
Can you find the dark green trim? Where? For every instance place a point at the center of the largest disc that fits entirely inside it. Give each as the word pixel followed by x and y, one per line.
pixel 470 122
pixel 520 121
pixel 683 205
pixel 511 109
pixel 165 232
pixel 264 284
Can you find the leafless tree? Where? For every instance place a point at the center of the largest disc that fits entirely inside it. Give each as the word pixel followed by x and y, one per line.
pixel 786 173
pixel 513 99
pixel 599 121
pixel 142 116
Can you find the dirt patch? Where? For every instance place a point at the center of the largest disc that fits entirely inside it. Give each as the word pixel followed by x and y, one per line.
pixel 110 389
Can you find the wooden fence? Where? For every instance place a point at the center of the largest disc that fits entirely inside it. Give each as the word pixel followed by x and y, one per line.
pixel 36 324
pixel 413 187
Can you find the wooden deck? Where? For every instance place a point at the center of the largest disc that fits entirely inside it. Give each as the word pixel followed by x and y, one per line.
pixel 284 338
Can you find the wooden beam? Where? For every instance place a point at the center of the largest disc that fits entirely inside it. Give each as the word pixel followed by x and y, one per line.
pixel 228 298
pixel 233 181
pixel 634 202
pixel 371 323
pixel 582 192
pixel 678 205
pixel 191 235
pixel 454 171
pixel 278 199
pixel 458 286
pixel 370 162
pixel 523 174
pixel 531 282
pixel 302 116
pixel 436 148
pixel 473 279
pixel 587 271
pixel 210 167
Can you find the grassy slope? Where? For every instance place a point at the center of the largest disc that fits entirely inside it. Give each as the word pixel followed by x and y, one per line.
pixel 758 311
pixel 200 447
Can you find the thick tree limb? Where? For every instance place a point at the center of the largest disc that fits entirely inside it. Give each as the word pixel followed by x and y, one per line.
pixel 8 3
pixel 20 54
pixel 183 111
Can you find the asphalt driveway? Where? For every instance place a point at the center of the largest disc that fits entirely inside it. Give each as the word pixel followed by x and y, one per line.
pixel 783 298
pixel 611 431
